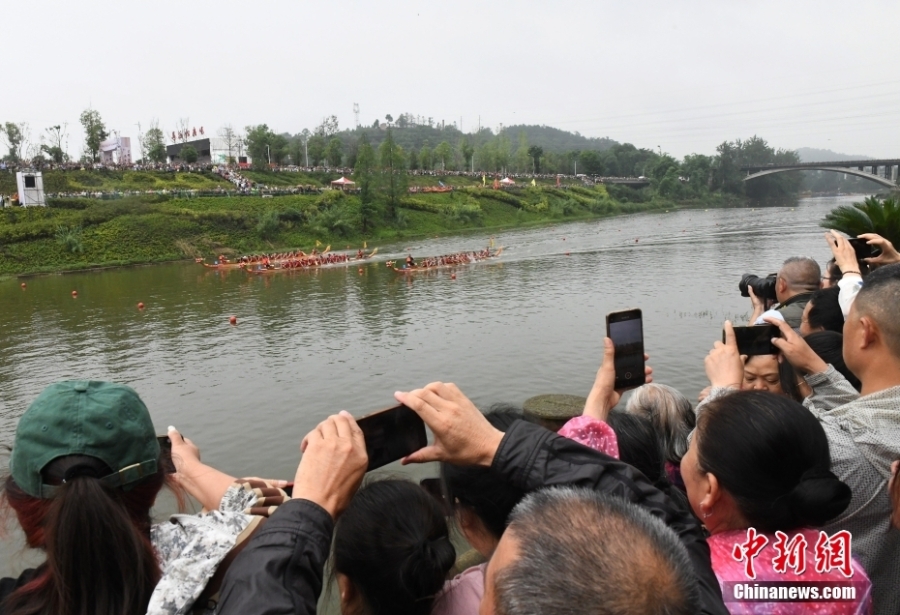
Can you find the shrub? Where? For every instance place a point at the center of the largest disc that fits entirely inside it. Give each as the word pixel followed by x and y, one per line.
pixel 870 216
pixel 70 237
pixel 268 224
pixel 68 203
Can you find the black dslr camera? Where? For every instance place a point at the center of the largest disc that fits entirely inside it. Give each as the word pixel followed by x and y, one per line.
pixel 764 288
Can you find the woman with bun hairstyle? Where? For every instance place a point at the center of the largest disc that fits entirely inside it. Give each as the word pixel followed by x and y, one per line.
pixel 392 551
pixel 759 460
pixel 85 470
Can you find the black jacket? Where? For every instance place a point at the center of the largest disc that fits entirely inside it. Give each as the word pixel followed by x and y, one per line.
pixel 280 571
pixel 10 585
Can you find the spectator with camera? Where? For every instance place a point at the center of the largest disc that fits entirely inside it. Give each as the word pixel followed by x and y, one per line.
pixel 85 470
pixel 863 427
pixel 792 287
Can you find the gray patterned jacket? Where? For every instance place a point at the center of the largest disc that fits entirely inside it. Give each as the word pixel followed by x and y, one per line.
pixel 191 547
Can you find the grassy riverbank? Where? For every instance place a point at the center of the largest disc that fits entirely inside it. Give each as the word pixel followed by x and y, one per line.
pixel 75 234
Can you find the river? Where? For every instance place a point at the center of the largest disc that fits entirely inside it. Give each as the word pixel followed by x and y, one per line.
pixel 308 344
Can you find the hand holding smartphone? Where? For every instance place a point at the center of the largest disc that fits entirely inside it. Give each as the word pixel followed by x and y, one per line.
pixel 626 330
pixel 755 340
pixel 392 434
pixel 165 458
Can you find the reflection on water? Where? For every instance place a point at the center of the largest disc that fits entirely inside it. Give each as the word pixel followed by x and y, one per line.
pixel 310 343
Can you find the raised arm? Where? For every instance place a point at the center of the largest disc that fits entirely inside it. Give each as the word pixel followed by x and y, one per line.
pixel 531 457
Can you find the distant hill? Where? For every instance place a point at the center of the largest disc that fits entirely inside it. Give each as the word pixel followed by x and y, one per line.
pixel 556 140
pixel 811 154
pixel 552 140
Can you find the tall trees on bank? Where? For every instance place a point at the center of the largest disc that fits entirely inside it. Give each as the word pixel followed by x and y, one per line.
pixel 154 144
pixel 364 175
pixel 14 135
pixel 394 179
pixel 94 133
pixel 264 146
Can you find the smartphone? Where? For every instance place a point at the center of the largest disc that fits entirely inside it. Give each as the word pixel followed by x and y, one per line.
pixel 434 489
pixel 755 340
pixel 862 249
pixel 392 434
pixel 626 330
pixel 165 457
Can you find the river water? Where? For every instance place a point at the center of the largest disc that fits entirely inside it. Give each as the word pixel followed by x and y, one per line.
pixel 308 344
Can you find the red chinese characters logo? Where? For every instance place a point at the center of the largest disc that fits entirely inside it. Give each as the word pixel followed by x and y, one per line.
pixel 789 553
pixel 830 552
pixel 747 551
pixel 834 553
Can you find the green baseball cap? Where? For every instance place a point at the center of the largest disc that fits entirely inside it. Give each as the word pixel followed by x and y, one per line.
pixel 84 417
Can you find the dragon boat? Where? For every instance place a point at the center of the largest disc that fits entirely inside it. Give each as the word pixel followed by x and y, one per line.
pixel 419 269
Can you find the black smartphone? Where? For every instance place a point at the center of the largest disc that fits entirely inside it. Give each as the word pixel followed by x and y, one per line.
pixel 165 457
pixel 434 489
pixel 755 340
pixel 862 249
pixel 626 330
pixel 392 434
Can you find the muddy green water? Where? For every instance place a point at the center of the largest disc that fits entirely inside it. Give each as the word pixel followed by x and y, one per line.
pixel 308 344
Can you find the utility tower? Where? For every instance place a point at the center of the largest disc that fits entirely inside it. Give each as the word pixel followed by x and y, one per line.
pixel 356 113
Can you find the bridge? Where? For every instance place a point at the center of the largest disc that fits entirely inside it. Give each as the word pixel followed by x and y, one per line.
pixel 884 172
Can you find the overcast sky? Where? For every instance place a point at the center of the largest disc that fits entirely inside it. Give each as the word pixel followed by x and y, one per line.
pixel 682 76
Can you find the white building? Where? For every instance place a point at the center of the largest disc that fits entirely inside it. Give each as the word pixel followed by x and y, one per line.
pixel 31 189
pixel 116 151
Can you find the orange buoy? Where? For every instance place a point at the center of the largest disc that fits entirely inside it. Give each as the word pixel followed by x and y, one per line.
pixel 74 293
pixel 567 253
pixel 23 284
pixel 140 305
pixel 233 320
pixel 360 271
pixel 452 276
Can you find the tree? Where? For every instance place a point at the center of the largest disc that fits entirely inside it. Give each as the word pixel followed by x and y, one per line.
pixel 425 157
pixel 521 157
pixel 278 148
pixel 94 132
pixel 189 154
pixel 315 148
pixel 334 152
pixel 395 179
pixel 590 163
pixel 56 135
pixel 466 150
pixel 264 146
pixel 230 138
pixel 305 135
pixel 413 160
pixel 535 152
pixel 364 175
pixel 15 139
pixel 443 152
pixel 184 128
pixel 328 127
pixel 155 144
pixel 389 119
pixel 697 172
pixel 503 152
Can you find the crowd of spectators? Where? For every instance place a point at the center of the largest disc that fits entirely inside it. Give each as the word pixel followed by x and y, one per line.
pixel 777 480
